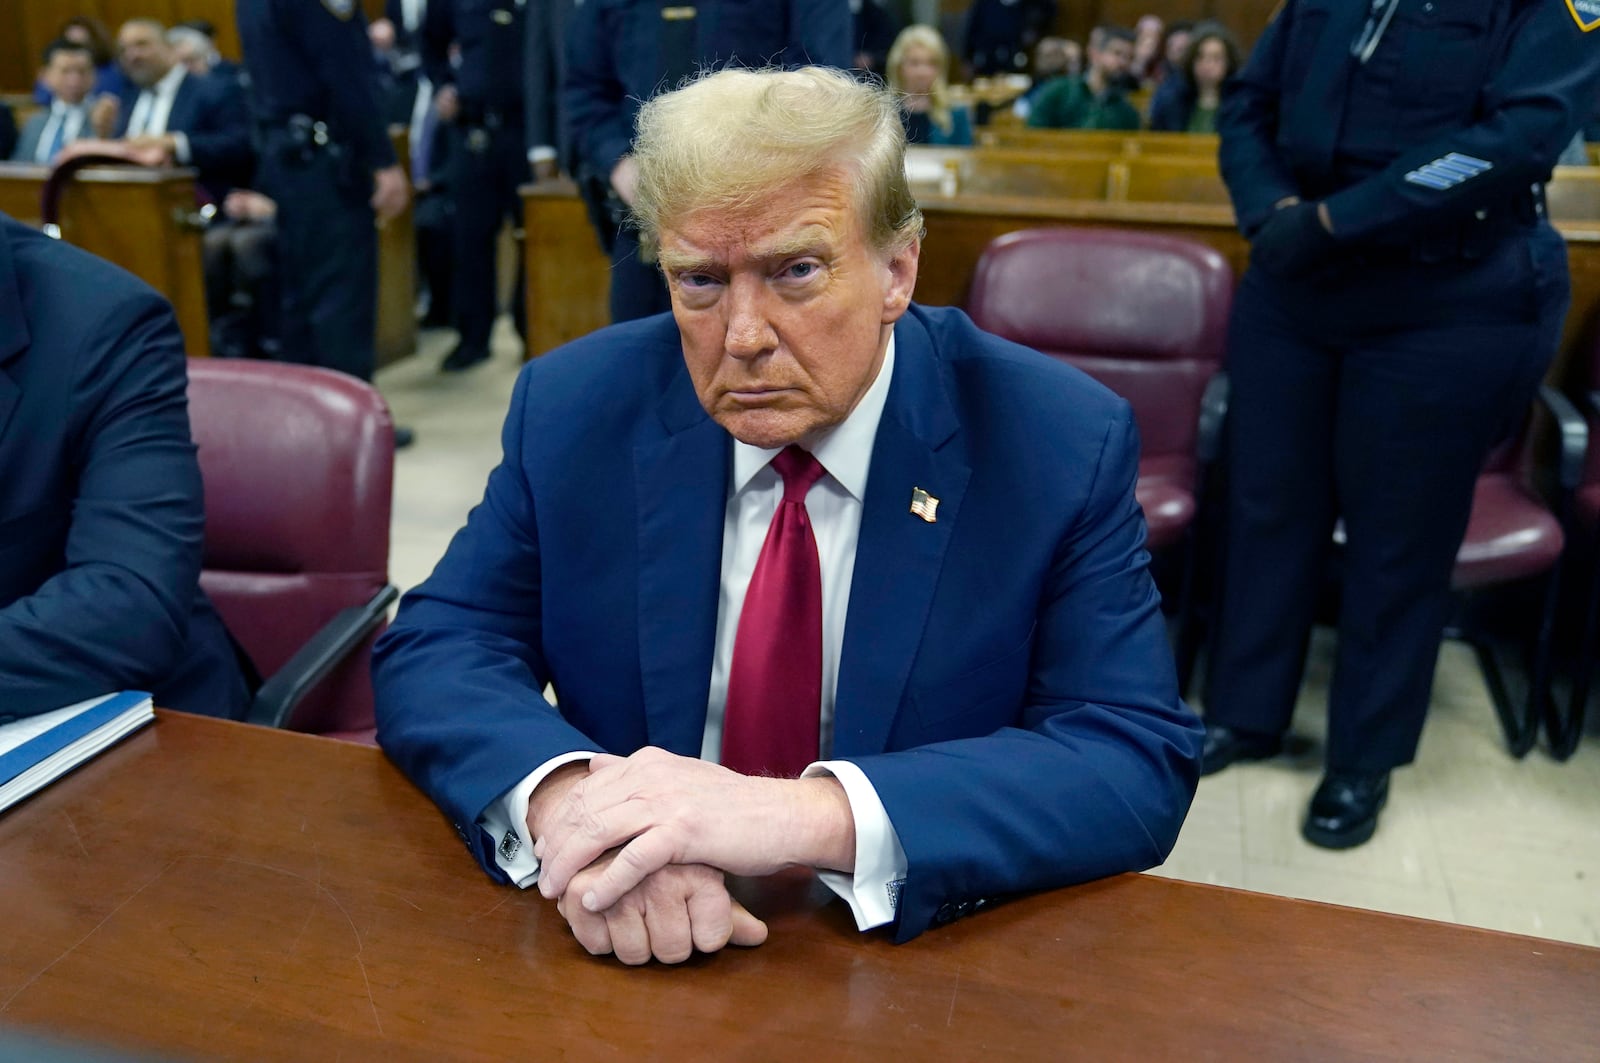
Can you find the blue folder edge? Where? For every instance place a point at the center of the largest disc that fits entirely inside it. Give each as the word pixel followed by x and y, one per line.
pixel 67 732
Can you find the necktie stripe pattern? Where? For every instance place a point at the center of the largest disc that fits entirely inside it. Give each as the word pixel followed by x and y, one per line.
pixel 772 717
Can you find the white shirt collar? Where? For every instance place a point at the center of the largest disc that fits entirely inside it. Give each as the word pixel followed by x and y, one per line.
pixel 168 85
pixel 845 451
pixel 62 107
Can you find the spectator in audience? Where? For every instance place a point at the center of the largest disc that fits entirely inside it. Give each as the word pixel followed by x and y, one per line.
pixel 1174 46
pixel 68 72
pixel 92 34
pixel 193 50
pixel 874 30
pixel 1405 296
pixel 999 714
pixel 1055 57
pixel 1187 102
pixel 919 64
pixel 171 117
pixel 219 66
pixel 240 255
pixel 1149 33
pixel 101 508
pixel 1093 101
pixel 1001 34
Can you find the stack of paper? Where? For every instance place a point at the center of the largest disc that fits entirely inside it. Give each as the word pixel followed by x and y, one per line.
pixel 37 750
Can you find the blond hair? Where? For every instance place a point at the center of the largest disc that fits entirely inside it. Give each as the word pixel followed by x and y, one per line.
pixel 917 35
pixel 731 138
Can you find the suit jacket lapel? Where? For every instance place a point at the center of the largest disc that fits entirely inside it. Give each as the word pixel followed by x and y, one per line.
pixel 899 555
pixel 682 478
pixel 14 337
pixel 1322 113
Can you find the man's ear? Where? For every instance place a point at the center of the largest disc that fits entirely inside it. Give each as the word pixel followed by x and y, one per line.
pixel 902 271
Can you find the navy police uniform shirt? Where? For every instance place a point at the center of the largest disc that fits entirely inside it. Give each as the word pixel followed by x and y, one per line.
pixel 313 58
pixel 490 36
pixel 622 52
pixel 1403 113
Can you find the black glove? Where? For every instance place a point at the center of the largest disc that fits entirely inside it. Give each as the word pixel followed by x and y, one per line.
pixel 1293 242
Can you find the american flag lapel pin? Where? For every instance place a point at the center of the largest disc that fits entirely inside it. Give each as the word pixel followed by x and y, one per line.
pixel 924 505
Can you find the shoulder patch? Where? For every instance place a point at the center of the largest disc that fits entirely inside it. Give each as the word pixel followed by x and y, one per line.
pixel 1586 13
pixel 343 9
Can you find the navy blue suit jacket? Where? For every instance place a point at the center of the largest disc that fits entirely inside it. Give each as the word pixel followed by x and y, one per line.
pixel 1005 681
pixel 100 498
pixel 212 112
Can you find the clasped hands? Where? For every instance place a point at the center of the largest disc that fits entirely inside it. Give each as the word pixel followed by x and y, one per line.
pixel 634 849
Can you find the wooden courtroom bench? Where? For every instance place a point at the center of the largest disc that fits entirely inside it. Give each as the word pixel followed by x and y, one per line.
pixel 141 219
pixel 1167 179
pixel 1116 142
pixel 145 221
pixel 567 273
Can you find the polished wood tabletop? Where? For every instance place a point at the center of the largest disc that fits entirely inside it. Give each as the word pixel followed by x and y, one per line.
pixel 209 890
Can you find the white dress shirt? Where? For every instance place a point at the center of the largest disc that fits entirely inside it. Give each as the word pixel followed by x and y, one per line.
pixel 834 506
pixel 153 108
pixel 70 119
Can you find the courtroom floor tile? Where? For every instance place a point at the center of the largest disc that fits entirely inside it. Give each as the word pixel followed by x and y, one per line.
pixel 1470 835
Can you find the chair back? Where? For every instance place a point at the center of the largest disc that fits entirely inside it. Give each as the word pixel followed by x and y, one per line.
pixel 1144 313
pixel 298 465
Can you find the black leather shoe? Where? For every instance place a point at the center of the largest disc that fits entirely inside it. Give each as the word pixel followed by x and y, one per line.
pixel 463 357
pixel 1344 810
pixel 1224 745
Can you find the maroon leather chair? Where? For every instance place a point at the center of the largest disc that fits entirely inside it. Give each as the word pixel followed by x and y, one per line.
pixel 298 465
pixel 1566 731
pixel 1146 315
pixel 1513 535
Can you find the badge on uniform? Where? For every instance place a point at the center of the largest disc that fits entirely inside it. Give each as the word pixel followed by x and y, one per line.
pixel 1586 13
pixel 340 9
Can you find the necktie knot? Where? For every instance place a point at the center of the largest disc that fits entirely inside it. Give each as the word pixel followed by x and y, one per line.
pixel 799 471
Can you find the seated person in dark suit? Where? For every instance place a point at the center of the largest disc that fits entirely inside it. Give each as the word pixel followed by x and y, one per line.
pixel 820 577
pixel 68 71
pixel 101 510
pixel 8 131
pixel 240 255
pixel 172 117
pixel 1187 101
pixel 1096 100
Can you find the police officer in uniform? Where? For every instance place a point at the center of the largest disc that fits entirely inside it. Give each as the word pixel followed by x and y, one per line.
pixel 1404 298
pixel 327 162
pixel 481 100
pixel 622 52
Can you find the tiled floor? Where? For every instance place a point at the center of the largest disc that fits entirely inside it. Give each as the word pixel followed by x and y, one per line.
pixel 1470 835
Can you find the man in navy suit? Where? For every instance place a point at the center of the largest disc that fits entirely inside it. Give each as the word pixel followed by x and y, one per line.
pixel 68 72
pixel 100 502
pixel 800 527
pixel 174 117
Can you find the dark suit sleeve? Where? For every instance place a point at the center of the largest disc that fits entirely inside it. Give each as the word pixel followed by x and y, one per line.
pixel 593 95
pixel 438 32
pixel 541 75
pixel 485 635
pixel 1531 107
pixel 1100 773
pixel 28 142
pixel 117 616
pixel 1247 122
pixel 820 32
pixel 8 132
pixel 219 139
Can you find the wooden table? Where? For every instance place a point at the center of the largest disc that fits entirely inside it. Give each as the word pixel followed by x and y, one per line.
pixel 217 891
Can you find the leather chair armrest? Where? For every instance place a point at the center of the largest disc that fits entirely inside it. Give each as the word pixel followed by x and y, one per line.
pixel 1574 436
pixel 275 702
pixel 1213 414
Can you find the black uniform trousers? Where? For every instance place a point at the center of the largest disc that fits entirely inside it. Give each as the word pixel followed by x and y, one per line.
pixel 328 250
pixel 1371 392
pixel 489 164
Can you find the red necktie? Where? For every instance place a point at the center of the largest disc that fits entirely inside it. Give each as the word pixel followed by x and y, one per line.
pixel 771 720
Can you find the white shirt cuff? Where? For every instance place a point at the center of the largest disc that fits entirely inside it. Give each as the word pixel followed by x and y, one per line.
pixel 180 147
pixel 873 890
pixel 507 821
pixel 542 153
